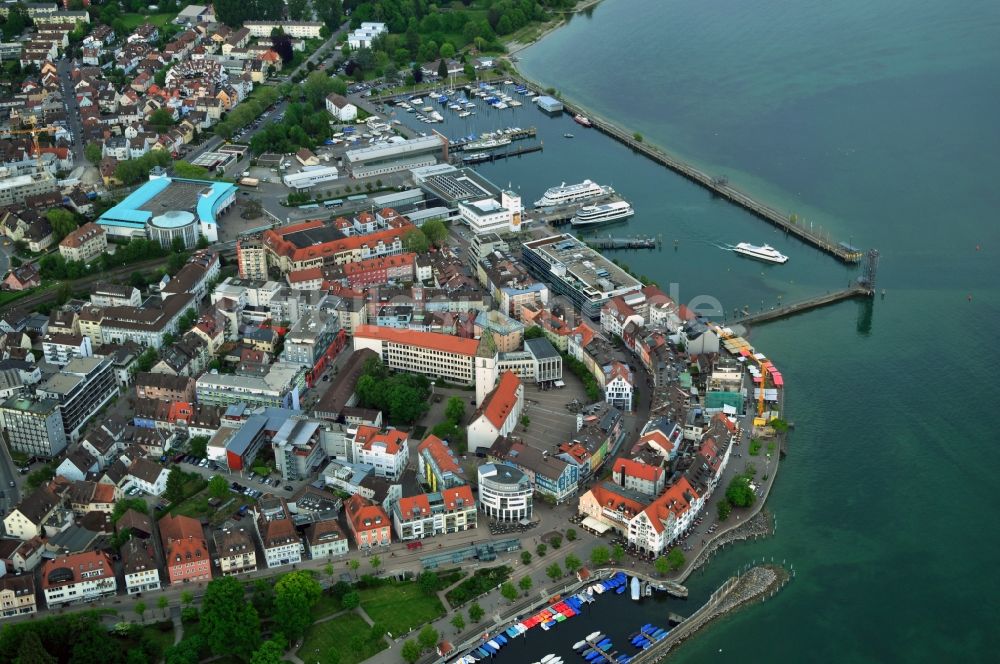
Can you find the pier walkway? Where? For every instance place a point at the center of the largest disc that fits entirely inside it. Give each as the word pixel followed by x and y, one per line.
pixel 857 290
pixel 608 242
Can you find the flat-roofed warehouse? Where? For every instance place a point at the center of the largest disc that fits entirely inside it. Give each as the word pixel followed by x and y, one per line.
pixel 454 185
pixel 395 156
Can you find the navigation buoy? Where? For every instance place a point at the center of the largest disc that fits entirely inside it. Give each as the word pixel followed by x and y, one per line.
pixel 969 297
pixel 977 247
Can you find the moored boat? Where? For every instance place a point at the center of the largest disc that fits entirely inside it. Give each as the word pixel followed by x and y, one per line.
pixel 573 193
pixel 593 215
pixel 579 119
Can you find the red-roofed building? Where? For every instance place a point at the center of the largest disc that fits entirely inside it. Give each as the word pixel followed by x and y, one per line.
pixel 368 523
pixel 611 506
pixel 639 476
pixel 379 271
pixel 437 465
pixel 79 577
pixel 619 385
pixel 387 451
pixel 498 414
pixel 428 353
pixel 293 248
pixel 185 549
pixel 429 514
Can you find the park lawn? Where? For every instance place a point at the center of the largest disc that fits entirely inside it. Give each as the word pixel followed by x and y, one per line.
pixel 401 607
pixel 133 21
pixel 326 605
pixel 340 634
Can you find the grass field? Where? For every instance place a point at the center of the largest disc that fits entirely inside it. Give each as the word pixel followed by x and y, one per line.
pixel 400 607
pixel 133 21
pixel 325 606
pixel 340 635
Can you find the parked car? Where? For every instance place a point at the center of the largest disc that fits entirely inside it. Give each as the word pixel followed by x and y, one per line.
pixel 288 487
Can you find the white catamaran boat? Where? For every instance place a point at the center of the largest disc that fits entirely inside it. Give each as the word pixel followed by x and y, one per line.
pixel 572 193
pixel 765 253
pixel 592 215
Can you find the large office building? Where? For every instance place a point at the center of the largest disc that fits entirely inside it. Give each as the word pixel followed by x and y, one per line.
pixel 310 338
pixel 280 387
pixel 488 215
pixel 505 493
pixel 166 208
pixel 16 189
pixel 396 156
pixel 34 426
pixel 81 389
pixel 429 353
pixel 581 274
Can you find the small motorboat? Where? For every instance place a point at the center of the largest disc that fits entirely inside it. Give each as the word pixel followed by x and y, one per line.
pixel 592 636
pixel 567 135
pixel 548 659
pixel 579 645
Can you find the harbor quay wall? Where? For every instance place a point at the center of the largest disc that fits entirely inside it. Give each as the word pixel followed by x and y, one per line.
pixel 758 583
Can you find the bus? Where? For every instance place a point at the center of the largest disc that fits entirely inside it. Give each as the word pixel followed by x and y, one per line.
pixel 336 202
pixel 249 182
pixel 309 206
pixel 358 197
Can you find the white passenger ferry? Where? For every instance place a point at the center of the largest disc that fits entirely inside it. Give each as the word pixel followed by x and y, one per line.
pixel 592 215
pixel 572 193
pixel 765 253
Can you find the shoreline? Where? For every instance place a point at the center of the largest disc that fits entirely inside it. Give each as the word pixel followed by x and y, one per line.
pixel 515 46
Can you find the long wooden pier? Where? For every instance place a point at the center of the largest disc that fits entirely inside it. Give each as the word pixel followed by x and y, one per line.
pixel 858 290
pixel 494 156
pixel 607 243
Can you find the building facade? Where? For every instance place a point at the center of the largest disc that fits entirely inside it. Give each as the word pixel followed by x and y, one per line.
pixel 505 493
pixel 79 577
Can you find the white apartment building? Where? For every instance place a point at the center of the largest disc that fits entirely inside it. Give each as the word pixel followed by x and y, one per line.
pixel 236 551
pixel 79 577
pixel 426 515
pixel 366 33
pixel 386 451
pixel 149 476
pixel 142 574
pixel 297 29
pixel 326 540
pixel 281 544
pixel 618 386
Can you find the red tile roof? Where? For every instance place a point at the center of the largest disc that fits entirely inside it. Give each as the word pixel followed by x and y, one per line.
pixel 276 242
pixel 309 274
pixel 675 500
pixel 498 404
pixel 428 340
pixel 440 453
pixel 414 507
pixel 609 499
pixel 458 496
pixel 643 471
pixel 393 439
pixel 78 563
pixel 364 515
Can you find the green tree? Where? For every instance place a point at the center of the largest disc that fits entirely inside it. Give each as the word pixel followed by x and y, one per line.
pixel 429 583
pixel 411 651
pixel 508 591
pixel 93 152
pixel 316 87
pixel 599 555
pixel 469 71
pixel 675 559
pixel 187 597
pixel 354 565
pixel 739 492
pixel 140 609
pixel 218 486
pixel 458 622
pixel 455 410
pixel 63 222
pixel 175 486
pixel 428 637
pixel 31 650
pixel 375 562
pixel 476 612
pixel 556 541
pixel 662 566
pixel 553 571
pixel 262 597
pixel 198 446
pixel 415 241
pixel 185 169
pixel 534 332
pixel 618 553
pixel 270 652
pixel 228 621
pixel 724 509
pixel 447 51
pixel 571 534
pixel 572 564
pixel 435 231
pixel 161 119
pixel 541 549
pixel 351 600
pixel 526 557
pixel 162 603
pixel 443 68
pixel 525 584
pixel 295 594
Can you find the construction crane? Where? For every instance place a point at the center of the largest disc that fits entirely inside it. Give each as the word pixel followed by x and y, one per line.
pixel 34 131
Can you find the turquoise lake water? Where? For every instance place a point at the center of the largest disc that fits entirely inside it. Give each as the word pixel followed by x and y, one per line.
pixel 879 122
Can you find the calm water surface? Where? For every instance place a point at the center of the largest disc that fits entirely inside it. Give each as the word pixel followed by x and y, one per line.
pixel 878 121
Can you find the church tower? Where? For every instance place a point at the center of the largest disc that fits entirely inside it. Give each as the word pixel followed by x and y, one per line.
pixel 486 366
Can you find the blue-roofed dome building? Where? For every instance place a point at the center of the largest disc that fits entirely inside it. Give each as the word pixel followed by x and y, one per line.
pixel 165 208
